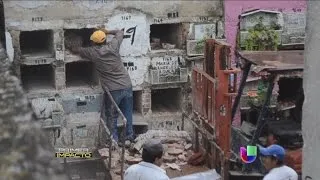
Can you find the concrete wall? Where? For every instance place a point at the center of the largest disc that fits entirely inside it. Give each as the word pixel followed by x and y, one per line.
pixel 235 8
pixel 58 81
pixel 22 139
pixel 310 123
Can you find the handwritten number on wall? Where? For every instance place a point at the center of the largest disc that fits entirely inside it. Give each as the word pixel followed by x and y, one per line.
pixel 307 178
pixel 130 66
pixel 173 15
pixel 132 32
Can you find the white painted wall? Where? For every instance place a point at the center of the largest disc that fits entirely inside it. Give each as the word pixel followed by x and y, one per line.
pixel 9 46
pixel 166 65
pixel 137 68
pixel 136 27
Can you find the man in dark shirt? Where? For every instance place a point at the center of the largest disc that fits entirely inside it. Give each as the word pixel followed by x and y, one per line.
pixel 113 75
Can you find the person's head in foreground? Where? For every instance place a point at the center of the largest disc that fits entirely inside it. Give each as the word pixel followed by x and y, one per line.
pixel 272 156
pixel 152 152
pixel 98 37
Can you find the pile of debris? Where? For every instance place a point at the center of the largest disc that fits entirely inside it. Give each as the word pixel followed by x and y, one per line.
pixel 156 44
pixel 177 150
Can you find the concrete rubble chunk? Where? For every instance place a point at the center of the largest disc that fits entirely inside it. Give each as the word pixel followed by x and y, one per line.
pixel 169 159
pixel 174 151
pixel 182 157
pixel 188 147
pixel 173 166
pixel 104 152
pixel 166 136
pixel 132 160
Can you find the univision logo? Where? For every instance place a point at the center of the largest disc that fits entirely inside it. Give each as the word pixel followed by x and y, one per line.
pixel 249 154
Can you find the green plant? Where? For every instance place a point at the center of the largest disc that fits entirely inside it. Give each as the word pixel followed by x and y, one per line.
pixel 258 98
pixel 200 45
pixel 262 38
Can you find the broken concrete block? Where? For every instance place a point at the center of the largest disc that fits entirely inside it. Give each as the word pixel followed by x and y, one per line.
pixel 169 159
pixel 179 146
pixel 174 151
pixel 171 146
pixel 163 135
pixel 182 157
pixel 134 160
pixel 104 152
pixel 188 147
pixel 137 155
pixel 174 166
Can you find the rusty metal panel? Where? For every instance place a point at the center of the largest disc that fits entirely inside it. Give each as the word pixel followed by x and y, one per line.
pixel 274 60
pixel 213 90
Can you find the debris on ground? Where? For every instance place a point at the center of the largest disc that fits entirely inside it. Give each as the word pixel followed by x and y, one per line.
pixel 177 151
pixel 173 166
pixel 164 136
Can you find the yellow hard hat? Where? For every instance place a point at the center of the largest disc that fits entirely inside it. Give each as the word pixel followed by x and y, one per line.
pixel 98 36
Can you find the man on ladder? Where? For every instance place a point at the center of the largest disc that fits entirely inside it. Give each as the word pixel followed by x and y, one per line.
pixel 113 75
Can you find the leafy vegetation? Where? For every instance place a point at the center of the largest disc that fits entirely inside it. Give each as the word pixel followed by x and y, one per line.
pixel 258 98
pixel 262 38
pixel 200 46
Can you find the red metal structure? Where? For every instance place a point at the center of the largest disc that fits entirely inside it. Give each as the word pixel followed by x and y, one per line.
pixel 213 89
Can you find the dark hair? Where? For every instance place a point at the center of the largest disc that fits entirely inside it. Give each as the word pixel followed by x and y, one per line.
pixel 151 155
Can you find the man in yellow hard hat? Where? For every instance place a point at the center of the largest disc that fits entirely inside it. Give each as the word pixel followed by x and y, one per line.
pixel 113 75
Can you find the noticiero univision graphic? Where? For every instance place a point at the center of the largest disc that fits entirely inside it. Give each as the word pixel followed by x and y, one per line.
pixel 73 153
pixel 249 154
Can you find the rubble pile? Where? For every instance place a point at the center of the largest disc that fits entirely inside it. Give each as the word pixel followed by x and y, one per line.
pixel 177 150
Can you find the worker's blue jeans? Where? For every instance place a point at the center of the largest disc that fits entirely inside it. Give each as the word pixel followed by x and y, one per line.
pixel 124 99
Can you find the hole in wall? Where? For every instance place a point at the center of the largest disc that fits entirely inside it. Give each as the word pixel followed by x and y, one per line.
pixel 166 100
pixel 37 77
pixel 36 43
pixel 289 88
pixel 81 74
pixel 84 33
pixel 166 33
